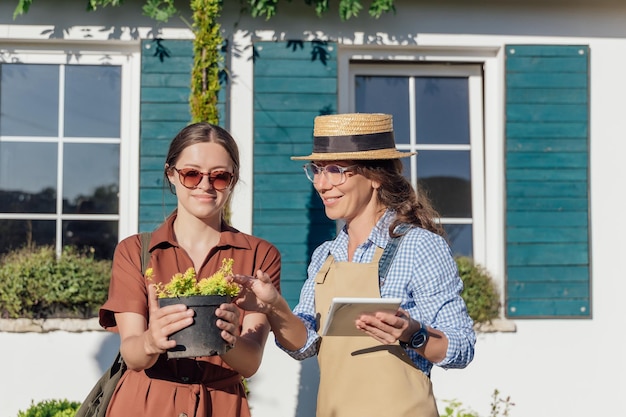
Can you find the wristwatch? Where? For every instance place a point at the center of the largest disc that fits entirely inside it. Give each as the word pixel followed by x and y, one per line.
pixel 418 339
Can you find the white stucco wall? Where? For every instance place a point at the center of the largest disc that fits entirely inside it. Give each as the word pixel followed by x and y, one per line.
pixel 550 368
pixel 64 364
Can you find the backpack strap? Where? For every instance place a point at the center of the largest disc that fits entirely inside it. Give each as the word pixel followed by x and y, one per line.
pixel 145 250
pixel 390 252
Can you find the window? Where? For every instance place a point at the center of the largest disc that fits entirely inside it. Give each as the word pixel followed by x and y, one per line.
pixel 437 111
pixel 63 140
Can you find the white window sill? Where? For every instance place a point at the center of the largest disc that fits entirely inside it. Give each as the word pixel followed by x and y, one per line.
pixel 49 325
pixel 496 325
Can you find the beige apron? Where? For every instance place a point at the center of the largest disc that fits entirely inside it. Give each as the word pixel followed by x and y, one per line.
pixel 360 377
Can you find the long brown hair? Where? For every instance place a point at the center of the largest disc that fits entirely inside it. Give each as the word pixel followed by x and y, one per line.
pixel 397 193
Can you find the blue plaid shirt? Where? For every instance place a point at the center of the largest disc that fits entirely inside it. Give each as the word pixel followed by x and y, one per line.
pixel 423 273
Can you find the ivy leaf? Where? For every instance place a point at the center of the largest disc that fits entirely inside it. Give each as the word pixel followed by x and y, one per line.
pixel 261 8
pixel 321 6
pixel 22 8
pixel 378 7
pixel 159 10
pixel 93 4
pixel 349 8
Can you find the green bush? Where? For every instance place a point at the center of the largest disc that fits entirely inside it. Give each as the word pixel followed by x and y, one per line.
pixel 35 284
pixel 51 408
pixel 454 408
pixel 499 407
pixel 479 292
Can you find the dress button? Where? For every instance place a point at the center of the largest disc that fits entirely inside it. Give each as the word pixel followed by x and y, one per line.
pixel 184 379
pixel 182 415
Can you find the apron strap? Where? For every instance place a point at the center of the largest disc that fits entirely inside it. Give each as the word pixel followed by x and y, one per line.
pixel 390 252
pixel 321 275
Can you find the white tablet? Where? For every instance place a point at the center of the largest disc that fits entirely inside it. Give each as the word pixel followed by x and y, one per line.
pixel 345 310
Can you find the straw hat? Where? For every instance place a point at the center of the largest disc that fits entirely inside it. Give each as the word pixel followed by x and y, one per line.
pixel 353 136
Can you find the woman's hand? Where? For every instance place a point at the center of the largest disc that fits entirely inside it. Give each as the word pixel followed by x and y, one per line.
pixel 228 320
pixel 385 326
pixel 163 323
pixel 257 293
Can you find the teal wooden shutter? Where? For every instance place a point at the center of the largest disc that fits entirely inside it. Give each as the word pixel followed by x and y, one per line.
pixel 165 88
pixel 547 181
pixel 293 82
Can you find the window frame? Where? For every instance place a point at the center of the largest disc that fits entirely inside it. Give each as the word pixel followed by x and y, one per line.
pixel 488 239
pixel 473 73
pixel 128 59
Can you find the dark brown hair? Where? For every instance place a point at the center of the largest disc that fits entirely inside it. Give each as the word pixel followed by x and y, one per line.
pixel 397 193
pixel 201 133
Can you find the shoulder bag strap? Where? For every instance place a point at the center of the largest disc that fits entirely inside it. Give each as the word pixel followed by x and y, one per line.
pixel 145 250
pixel 145 259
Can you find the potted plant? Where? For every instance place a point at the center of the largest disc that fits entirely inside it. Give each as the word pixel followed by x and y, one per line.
pixel 204 296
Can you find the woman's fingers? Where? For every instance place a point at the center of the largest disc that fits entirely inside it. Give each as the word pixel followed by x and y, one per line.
pixel 385 327
pixel 228 320
pixel 156 311
pixel 164 322
pixel 263 277
pixel 153 304
pixel 257 293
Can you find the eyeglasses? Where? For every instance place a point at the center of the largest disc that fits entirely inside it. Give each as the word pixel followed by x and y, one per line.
pixel 191 178
pixel 334 174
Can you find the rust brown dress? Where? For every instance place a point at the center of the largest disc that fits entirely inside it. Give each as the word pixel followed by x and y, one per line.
pixel 190 387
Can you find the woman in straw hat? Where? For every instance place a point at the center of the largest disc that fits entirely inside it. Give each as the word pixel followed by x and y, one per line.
pixel 356 170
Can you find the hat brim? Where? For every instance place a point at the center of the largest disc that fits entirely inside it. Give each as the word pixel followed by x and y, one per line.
pixel 355 156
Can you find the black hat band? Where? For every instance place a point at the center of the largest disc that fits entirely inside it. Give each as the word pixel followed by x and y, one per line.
pixel 353 143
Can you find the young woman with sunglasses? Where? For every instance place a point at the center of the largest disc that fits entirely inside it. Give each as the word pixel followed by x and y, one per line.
pixel 356 171
pixel 201 168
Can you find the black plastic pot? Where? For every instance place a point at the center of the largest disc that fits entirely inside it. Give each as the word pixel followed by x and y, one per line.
pixel 202 338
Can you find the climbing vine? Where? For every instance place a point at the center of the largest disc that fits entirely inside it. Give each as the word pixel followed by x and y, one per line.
pixel 205 83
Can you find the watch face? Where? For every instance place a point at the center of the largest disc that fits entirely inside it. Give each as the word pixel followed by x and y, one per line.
pixel 418 339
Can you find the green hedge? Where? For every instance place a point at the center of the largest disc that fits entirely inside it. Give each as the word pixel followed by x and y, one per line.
pixel 51 408
pixel 34 283
pixel 479 291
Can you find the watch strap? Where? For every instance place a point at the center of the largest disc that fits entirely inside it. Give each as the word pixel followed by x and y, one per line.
pixel 421 332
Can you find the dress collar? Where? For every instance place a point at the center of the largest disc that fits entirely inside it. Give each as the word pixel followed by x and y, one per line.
pixel 164 235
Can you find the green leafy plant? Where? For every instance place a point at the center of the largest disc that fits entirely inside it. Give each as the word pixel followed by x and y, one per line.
pixel 163 10
pixel 35 283
pixel 479 292
pixel 187 284
pixel 51 408
pixel 499 407
pixel 454 408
